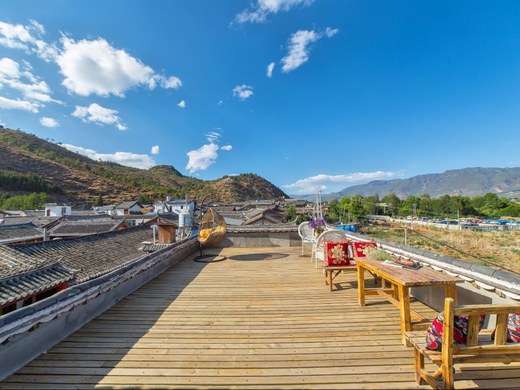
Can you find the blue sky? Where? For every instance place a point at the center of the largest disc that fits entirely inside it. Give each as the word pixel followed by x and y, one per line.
pixel 308 94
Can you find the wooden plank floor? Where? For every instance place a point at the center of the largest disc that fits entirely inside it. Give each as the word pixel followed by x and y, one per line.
pixel 263 318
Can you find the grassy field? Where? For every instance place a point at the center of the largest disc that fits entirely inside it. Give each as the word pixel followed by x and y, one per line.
pixel 499 249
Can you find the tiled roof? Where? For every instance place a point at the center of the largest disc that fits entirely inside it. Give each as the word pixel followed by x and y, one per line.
pixel 127 204
pixel 38 221
pixel 22 232
pixel 21 286
pixel 83 228
pixel 89 256
pixel 154 247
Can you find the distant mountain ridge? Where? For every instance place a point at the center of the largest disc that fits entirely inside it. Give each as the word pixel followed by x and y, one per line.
pixel 467 182
pixel 83 179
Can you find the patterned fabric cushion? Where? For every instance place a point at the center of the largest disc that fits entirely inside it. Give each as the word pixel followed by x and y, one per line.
pixel 513 328
pixel 460 331
pixel 360 248
pixel 336 253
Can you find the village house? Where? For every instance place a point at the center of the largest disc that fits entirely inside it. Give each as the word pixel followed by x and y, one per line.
pixel 57 210
pixel 128 207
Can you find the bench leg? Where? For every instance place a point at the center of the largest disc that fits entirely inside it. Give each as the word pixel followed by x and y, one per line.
pixel 418 366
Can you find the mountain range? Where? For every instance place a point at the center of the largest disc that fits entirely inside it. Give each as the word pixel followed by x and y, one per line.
pixel 467 182
pixel 82 180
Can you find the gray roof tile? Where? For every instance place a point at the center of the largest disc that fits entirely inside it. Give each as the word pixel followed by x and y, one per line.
pixel 13 233
pixel 89 256
pixel 21 286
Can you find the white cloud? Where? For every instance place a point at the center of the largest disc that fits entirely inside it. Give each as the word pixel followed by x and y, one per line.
pixel 312 184
pixel 142 161
pixel 95 67
pixel 258 12
pixel 330 32
pixel 17 36
pixel 299 47
pixel 270 69
pixel 182 104
pixel 202 158
pixel 49 122
pixel 243 91
pixel 99 115
pixel 212 136
pixel 220 102
pixel 22 81
pixel 155 149
pixel 227 147
pixel 17 104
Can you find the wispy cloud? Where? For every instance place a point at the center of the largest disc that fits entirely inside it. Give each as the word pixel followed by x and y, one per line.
pixel 227 147
pixel 182 104
pixel 17 104
pixel 99 115
pixel 259 11
pixel 312 184
pixel 299 47
pixel 17 36
pixel 243 91
pixel 142 161
pixel 270 69
pixel 49 122
pixel 32 92
pixel 155 149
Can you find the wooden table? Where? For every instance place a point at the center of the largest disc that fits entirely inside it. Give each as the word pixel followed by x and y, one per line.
pixel 401 280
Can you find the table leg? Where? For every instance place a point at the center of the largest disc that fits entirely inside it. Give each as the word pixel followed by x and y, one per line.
pixel 451 291
pixel 361 284
pixel 404 308
pixel 330 279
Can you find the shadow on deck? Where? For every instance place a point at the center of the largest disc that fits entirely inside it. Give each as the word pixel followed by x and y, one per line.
pixel 262 318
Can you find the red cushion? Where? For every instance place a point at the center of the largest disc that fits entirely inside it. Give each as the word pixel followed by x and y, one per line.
pixel 460 330
pixel 336 253
pixel 513 328
pixel 360 248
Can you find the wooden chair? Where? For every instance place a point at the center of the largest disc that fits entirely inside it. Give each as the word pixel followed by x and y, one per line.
pixel 328 235
pixel 479 347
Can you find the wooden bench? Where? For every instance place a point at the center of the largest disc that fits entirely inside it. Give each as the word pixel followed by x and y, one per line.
pixel 479 348
pixel 331 271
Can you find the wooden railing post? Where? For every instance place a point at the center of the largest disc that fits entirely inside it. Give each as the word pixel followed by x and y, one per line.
pixel 447 344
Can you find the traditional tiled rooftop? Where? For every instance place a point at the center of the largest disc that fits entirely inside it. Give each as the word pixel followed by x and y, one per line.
pixel 82 228
pixel 32 282
pixel 262 318
pixel 88 256
pixel 21 232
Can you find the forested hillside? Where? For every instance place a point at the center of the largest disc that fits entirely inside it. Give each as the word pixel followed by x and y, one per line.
pixel 30 164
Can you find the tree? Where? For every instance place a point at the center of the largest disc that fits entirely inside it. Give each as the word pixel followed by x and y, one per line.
pixel 371 204
pixel 393 203
pixel 334 211
pixel 356 207
pixel 25 202
pixel 99 201
pixel 344 209
pixel 290 213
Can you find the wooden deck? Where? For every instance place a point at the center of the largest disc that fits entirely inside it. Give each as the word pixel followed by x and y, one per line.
pixel 263 318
